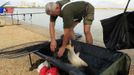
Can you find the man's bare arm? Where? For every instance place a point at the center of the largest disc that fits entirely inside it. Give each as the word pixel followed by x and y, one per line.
pixel 67 36
pixel 52 36
pixel 52 30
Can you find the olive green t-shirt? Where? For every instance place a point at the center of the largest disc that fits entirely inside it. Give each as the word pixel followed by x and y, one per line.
pixel 76 10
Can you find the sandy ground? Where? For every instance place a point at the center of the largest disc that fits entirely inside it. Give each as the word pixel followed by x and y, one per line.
pixel 12 35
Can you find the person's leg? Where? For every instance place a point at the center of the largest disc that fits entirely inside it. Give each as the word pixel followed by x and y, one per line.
pixel 88 18
pixel 73 33
pixel 88 35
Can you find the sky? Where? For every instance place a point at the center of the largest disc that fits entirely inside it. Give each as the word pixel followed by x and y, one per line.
pixel 96 3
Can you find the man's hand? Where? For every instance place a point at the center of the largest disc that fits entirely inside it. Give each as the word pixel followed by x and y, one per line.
pixel 61 51
pixel 53 45
pixel 66 38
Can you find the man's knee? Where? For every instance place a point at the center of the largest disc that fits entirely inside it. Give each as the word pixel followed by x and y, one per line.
pixel 86 32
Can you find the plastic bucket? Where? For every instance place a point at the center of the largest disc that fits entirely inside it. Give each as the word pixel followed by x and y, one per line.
pixel 9 9
pixel 1 9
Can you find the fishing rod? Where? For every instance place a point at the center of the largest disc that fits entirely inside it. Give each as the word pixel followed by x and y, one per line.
pixel 4 4
pixel 23 14
pixel 9 14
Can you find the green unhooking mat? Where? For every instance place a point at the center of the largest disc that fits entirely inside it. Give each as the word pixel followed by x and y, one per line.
pixel 101 61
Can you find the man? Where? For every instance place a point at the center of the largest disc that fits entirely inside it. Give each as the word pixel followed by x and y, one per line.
pixel 72 13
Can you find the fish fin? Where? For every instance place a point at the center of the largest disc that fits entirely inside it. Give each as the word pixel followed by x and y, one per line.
pixel 78 53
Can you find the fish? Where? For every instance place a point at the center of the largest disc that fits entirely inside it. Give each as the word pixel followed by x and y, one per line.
pixel 74 58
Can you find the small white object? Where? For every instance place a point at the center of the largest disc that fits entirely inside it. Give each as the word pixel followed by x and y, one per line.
pixel 45 63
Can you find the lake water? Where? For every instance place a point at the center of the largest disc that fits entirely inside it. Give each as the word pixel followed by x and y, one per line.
pixel 43 20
